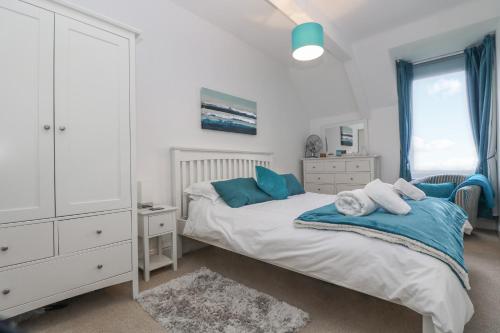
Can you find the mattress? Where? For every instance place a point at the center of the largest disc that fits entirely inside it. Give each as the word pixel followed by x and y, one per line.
pixel 388 271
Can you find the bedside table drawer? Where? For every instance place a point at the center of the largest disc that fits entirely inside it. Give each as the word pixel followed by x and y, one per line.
pixel 159 224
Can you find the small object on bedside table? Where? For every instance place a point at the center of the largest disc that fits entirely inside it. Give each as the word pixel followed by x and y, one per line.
pixel 156 222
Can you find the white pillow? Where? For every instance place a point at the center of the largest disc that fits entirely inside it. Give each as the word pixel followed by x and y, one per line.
pixel 202 190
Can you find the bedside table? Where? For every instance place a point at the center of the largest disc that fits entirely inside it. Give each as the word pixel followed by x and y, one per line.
pixel 152 224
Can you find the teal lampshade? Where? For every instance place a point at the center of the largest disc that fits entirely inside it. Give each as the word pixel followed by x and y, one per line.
pixel 307 41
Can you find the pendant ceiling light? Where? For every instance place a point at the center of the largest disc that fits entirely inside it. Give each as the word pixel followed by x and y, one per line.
pixel 307 41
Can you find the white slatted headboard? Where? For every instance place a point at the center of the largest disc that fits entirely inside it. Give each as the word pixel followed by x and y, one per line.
pixel 190 165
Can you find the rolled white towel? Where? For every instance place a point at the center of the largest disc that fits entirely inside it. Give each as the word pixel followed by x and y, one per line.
pixel 384 195
pixel 408 189
pixel 355 203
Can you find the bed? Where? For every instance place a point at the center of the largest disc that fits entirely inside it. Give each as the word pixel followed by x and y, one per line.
pixel 266 232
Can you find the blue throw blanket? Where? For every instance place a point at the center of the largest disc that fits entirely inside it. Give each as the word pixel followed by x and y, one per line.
pixel 487 198
pixel 433 227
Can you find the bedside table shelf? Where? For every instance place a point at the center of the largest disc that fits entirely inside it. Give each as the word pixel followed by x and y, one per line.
pixel 157 224
pixel 156 261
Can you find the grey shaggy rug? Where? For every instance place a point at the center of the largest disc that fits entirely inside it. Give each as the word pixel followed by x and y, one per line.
pixel 204 301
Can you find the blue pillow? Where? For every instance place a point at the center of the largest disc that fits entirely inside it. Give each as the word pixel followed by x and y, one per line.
pixel 442 190
pixel 271 183
pixel 240 192
pixel 293 185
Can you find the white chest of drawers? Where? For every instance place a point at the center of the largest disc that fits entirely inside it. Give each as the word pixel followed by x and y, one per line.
pixel 337 174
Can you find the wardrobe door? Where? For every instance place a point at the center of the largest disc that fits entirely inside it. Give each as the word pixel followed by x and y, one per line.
pixel 26 112
pixel 92 125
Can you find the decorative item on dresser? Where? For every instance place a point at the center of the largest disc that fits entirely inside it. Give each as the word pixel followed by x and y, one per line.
pixel 157 222
pixel 67 195
pixel 336 174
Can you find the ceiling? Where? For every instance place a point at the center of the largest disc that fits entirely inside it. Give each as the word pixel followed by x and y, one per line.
pixel 320 84
pixel 254 21
pixel 261 25
pixel 358 19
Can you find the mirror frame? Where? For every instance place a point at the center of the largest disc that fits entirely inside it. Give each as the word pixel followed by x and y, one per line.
pixel 364 121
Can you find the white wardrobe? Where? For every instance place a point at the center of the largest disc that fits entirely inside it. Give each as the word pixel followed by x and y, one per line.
pixel 67 196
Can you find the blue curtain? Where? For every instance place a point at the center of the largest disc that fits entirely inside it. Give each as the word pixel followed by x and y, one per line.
pixel 479 62
pixel 405 83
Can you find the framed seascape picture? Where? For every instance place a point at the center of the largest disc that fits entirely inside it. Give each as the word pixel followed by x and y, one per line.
pixel 223 112
pixel 346 136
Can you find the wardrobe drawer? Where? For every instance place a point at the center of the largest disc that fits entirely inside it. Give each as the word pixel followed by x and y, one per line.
pixel 24 243
pixel 320 178
pixel 353 178
pixel 30 283
pixel 334 166
pixel 160 224
pixel 88 232
pixel 313 166
pixel 320 188
pixel 358 165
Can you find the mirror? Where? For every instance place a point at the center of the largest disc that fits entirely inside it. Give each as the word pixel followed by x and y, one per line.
pixel 350 138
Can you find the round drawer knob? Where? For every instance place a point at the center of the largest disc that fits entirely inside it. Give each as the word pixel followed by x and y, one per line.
pixel 99 232
pixel 162 224
pixel 46 127
pixel 100 266
pixel 6 291
pixel 334 166
pixel 357 166
pixel 4 248
pixel 351 178
pixel 319 178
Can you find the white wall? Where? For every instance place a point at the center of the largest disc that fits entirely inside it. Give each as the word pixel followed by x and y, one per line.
pixel 177 54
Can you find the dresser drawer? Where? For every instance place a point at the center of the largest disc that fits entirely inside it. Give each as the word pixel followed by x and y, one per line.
pixel 88 232
pixel 24 243
pixel 353 178
pixel 320 188
pixel 320 178
pixel 334 166
pixel 347 187
pixel 159 224
pixel 358 165
pixel 30 283
pixel 313 166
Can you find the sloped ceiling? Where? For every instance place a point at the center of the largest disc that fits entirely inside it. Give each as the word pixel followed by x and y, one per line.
pixel 361 18
pixel 322 86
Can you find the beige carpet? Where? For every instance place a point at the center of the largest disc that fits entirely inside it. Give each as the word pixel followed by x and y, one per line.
pixel 332 308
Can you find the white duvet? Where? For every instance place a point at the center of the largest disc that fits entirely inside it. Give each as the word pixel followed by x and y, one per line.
pixel 392 272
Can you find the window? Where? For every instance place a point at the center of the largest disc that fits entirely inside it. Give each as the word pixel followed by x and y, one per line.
pixel 442 141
